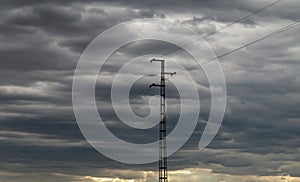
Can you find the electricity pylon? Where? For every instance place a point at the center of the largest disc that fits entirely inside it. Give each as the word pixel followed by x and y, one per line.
pixel 163 170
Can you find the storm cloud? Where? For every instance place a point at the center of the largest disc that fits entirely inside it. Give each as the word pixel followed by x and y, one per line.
pixel 42 41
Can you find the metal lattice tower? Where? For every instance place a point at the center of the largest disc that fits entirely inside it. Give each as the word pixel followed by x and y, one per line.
pixel 163 165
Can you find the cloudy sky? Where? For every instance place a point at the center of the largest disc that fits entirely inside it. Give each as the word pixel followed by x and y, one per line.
pixel 42 41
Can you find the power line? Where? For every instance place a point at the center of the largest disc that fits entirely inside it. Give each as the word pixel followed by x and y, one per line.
pixel 233 23
pixel 206 36
pixel 288 27
pixel 281 30
pixel 243 18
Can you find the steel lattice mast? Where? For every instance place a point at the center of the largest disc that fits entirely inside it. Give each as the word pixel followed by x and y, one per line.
pixel 163 165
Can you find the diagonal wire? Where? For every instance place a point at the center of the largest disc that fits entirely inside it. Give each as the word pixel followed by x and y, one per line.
pixel 286 28
pixel 272 34
pixel 242 19
pixel 219 30
pixel 206 36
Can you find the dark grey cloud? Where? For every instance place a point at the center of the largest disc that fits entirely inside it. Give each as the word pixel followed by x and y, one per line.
pixel 41 43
